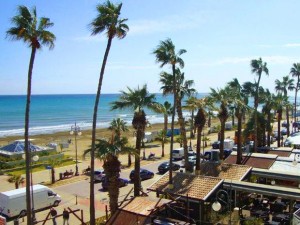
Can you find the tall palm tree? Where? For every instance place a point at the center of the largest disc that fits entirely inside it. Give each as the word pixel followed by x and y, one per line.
pixel 166 55
pixel 267 109
pixel 257 67
pixel 284 86
pixel 166 110
pixel 108 150
pixel 162 137
pixel 137 100
pixel 280 102
pixel 221 97
pixel 183 88
pixel 200 120
pixel 240 105
pixel 191 105
pixel 118 126
pixel 108 19
pixel 295 71
pixel 33 31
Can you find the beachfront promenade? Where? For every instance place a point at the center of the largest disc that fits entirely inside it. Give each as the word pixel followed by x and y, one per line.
pixel 81 184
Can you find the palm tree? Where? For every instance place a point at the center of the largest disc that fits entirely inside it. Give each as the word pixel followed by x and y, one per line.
pixel 191 105
pixel 17 180
pixel 268 106
pixel 183 87
pixel 162 137
pixel 284 86
pixel 108 19
pixel 200 120
pixel 118 126
pixel 53 163
pixel 33 31
pixel 222 98
pixel 137 100
pixel 280 102
pixel 239 103
pixel 166 55
pixel 257 67
pixel 295 71
pixel 166 110
pixel 108 150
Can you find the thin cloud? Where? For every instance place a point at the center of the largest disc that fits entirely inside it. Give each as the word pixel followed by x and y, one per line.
pixel 167 24
pixel 279 60
pixel 89 38
pixel 292 45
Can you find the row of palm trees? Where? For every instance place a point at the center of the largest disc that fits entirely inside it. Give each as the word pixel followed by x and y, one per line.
pixel 34 32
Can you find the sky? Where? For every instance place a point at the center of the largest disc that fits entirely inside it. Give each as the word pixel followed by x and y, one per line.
pixel 220 37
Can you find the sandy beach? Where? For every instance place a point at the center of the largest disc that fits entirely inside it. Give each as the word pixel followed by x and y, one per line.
pixel 84 140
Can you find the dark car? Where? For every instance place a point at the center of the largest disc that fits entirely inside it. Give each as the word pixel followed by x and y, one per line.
pixel 122 183
pixel 216 145
pixel 144 174
pixel 99 175
pixel 165 166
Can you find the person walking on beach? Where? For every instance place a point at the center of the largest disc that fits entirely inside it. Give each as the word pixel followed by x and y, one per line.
pixel 66 216
pixel 53 214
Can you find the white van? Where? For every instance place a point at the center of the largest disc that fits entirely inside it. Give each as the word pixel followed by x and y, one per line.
pixel 178 153
pixel 13 203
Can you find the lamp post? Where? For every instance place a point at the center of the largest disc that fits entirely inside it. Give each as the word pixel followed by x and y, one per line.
pixel 33 159
pixel 75 129
pixel 144 152
pixel 222 197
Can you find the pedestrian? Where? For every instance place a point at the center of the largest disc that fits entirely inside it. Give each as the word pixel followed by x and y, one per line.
pixel 66 216
pixel 53 214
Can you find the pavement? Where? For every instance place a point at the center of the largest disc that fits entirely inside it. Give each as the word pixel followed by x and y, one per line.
pixel 69 200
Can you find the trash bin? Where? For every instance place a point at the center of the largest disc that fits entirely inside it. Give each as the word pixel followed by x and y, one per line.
pixel 16 222
pixel 60 176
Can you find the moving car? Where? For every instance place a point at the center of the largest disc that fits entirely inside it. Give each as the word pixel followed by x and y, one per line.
pixel 144 174
pixel 165 166
pixel 122 183
pixel 99 175
pixel 216 145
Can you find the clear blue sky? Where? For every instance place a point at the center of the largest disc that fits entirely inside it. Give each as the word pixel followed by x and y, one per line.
pixel 221 37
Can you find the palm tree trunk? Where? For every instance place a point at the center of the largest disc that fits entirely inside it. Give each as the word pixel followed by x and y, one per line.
pixel 182 131
pixel 129 160
pixel 26 136
pixel 198 149
pixel 172 128
pixel 192 126
pixel 137 163
pixel 92 184
pixel 239 140
pixel 166 122
pixel 295 115
pixel 163 148
pixel 288 120
pixel 269 131
pixel 222 135
pixel 278 129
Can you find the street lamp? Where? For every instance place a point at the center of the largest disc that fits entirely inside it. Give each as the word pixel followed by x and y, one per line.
pixel 222 197
pixel 75 129
pixel 144 152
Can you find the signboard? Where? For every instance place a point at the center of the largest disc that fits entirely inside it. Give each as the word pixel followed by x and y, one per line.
pixel 2 220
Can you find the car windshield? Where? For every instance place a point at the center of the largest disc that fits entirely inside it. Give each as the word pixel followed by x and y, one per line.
pixel 175 151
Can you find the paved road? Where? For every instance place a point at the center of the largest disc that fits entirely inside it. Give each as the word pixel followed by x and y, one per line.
pixel 78 192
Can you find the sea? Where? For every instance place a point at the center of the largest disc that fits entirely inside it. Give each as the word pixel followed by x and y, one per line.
pixel 56 113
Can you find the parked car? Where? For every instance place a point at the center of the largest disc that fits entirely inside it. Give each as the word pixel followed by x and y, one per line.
pixel 235 148
pixel 264 149
pixel 122 183
pixel 283 131
pixel 165 166
pixel 216 145
pixel 178 154
pixel 144 174
pixel 99 175
pixel 284 124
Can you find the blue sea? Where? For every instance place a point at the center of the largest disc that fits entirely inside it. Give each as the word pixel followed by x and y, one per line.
pixel 54 113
